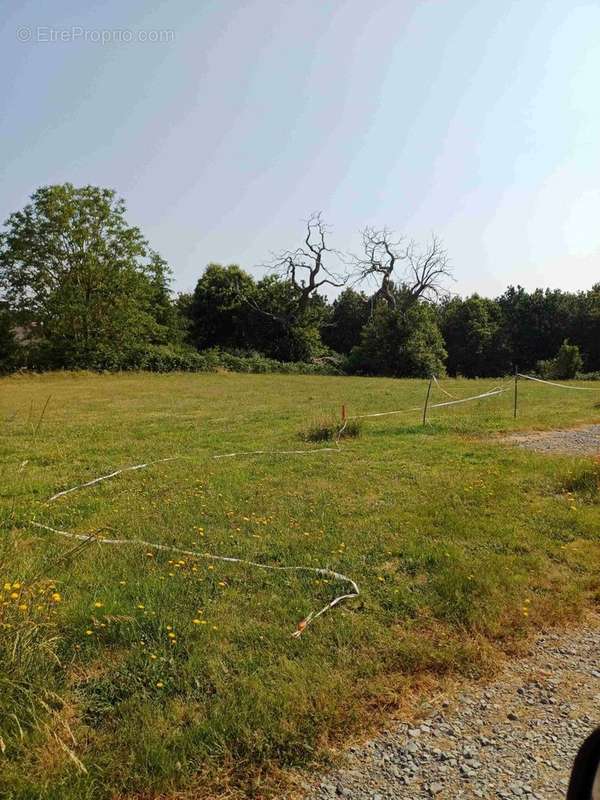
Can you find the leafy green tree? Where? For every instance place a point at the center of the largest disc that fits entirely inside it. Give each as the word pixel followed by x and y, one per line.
pixel 536 323
pixel 585 330
pixel 349 314
pixel 221 308
pixel 400 342
pixel 70 263
pixel 171 325
pixel 280 332
pixel 473 335
pixel 8 344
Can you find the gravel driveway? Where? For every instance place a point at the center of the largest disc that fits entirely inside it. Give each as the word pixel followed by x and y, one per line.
pixel 513 738
pixel 573 441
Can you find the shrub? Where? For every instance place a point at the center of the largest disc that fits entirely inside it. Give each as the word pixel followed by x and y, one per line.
pixel 564 366
pixel 568 361
pixel 241 361
pixel 170 358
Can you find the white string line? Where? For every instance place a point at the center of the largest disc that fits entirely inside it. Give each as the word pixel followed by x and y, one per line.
pixel 441 388
pixel 336 449
pixel 281 452
pixel 302 625
pixel 111 475
pixel 559 385
pixel 491 393
pixel 386 413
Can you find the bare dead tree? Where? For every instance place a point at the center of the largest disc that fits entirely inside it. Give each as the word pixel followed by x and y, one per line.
pixel 380 256
pixel 428 270
pixel 421 271
pixel 310 266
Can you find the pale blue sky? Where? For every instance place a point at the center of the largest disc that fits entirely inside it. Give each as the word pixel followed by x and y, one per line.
pixel 477 120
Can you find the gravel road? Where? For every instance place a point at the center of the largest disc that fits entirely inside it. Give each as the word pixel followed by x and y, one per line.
pixel 513 738
pixel 573 441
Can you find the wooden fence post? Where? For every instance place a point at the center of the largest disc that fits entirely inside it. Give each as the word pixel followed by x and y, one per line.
pixel 427 401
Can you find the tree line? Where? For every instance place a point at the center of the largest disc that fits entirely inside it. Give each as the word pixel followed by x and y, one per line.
pixel 80 288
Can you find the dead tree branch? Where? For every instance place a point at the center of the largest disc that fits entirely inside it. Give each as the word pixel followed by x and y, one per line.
pixel 308 268
pixel 396 264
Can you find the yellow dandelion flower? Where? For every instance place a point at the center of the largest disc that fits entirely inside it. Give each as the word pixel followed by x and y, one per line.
pixel 159 684
pixel 153 657
pixel 88 632
pixel 22 607
pixel 197 622
pixel 7 587
pixel 56 597
pixel 98 604
pixel 171 635
pixel 140 605
pixel 16 585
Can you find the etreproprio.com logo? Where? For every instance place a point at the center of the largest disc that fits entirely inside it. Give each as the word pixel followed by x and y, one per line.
pixel 76 33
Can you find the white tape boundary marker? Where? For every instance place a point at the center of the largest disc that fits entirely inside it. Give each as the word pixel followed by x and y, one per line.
pixel 441 388
pixel 110 475
pixel 311 451
pixel 559 385
pixel 492 393
pixel 230 559
pixel 282 452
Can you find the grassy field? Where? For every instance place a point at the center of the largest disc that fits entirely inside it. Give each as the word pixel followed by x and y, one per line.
pixel 128 672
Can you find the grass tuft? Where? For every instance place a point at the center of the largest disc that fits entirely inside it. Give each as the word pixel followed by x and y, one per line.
pixel 328 430
pixel 584 480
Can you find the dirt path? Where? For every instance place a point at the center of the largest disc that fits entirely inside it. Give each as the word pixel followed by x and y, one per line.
pixel 572 441
pixel 513 738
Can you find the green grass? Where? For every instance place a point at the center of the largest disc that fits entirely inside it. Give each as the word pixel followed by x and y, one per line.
pixel 460 546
